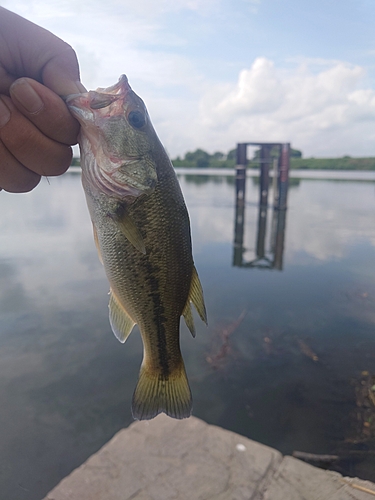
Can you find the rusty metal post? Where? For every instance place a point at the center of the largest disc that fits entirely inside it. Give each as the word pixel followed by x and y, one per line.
pixel 238 249
pixel 284 163
pixel 280 208
pixel 264 181
pixel 279 237
pixel 275 181
pixel 261 235
pixel 241 171
pixel 240 203
pixel 265 160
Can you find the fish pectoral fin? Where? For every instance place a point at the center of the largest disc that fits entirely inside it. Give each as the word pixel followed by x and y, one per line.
pixel 121 322
pixel 96 239
pixel 188 317
pixel 155 394
pixel 129 229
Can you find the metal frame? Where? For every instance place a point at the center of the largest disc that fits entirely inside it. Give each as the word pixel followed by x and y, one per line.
pixel 281 170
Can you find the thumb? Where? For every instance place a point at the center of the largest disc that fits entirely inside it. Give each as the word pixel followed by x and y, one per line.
pixel 61 73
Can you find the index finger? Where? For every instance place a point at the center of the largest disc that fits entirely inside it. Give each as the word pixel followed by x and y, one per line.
pixel 30 50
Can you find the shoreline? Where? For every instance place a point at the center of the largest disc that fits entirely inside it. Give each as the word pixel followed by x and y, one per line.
pixel 350 175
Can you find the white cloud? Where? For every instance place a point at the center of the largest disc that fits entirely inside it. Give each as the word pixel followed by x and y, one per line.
pixel 258 91
pixel 321 106
pixel 118 37
pixel 324 112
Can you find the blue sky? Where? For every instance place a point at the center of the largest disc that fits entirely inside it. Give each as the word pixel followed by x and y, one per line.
pixel 216 72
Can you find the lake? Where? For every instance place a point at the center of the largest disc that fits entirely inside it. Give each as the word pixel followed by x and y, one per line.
pixel 288 358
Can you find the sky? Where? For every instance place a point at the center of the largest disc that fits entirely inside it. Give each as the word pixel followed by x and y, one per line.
pixel 216 72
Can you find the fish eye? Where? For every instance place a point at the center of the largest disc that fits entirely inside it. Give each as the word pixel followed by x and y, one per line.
pixel 136 119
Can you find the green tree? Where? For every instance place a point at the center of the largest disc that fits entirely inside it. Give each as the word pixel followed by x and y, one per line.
pixel 295 153
pixel 218 156
pixel 200 157
pixel 232 154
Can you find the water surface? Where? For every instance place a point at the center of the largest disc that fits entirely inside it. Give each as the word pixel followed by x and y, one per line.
pixel 280 362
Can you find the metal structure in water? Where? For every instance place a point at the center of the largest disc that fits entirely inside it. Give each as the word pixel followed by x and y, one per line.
pixel 280 163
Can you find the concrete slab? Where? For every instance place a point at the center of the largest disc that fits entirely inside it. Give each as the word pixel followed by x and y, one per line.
pixel 166 459
pixel 296 480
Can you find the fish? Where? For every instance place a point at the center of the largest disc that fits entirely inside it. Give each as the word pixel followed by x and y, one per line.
pixel 142 233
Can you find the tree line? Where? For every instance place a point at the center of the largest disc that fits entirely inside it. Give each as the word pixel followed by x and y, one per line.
pixel 201 159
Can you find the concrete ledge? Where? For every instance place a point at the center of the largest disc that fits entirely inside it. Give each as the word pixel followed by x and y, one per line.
pixel 166 459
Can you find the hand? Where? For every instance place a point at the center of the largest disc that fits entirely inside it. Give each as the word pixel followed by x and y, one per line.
pixel 36 128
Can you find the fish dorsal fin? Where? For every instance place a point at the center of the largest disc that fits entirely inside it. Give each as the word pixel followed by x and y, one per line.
pixel 121 322
pixel 196 297
pixel 188 317
pixel 96 239
pixel 129 229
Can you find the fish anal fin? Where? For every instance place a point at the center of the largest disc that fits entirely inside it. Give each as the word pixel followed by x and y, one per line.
pixel 129 229
pixel 96 239
pixel 156 394
pixel 121 322
pixel 188 317
pixel 196 296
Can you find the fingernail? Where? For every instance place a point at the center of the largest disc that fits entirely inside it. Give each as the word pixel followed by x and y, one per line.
pixel 4 113
pixel 26 95
pixel 80 87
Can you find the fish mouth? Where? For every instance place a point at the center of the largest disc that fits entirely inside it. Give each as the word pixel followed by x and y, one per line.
pixel 121 87
pixel 97 99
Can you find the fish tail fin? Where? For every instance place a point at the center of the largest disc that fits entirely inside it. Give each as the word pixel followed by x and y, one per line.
pixel 156 393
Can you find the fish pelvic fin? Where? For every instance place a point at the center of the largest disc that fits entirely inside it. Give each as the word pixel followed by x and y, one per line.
pixel 96 239
pixel 196 297
pixel 121 322
pixel 156 394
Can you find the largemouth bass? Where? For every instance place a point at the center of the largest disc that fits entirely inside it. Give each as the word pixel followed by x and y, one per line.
pixel 142 233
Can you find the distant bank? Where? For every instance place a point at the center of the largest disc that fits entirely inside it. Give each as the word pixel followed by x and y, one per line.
pixel 344 163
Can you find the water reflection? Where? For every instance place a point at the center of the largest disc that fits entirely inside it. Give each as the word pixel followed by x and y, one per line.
pixel 272 259
pixel 66 383
pixel 264 260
